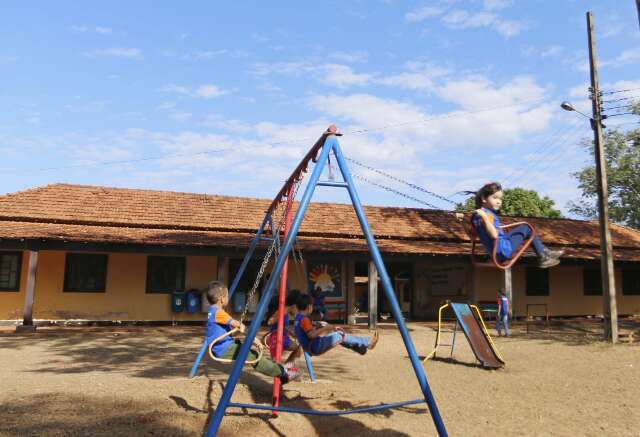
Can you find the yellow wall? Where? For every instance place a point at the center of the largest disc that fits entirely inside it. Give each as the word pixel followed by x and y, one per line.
pixel 124 299
pixel 566 296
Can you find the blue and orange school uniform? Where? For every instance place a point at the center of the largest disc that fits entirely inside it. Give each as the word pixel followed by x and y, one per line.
pixel 219 323
pixel 504 249
pixel 321 344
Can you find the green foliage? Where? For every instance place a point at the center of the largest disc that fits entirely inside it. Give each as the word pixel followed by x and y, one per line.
pixel 622 153
pixel 520 202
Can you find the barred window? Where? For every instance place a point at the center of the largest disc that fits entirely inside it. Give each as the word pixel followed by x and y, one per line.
pixel 10 267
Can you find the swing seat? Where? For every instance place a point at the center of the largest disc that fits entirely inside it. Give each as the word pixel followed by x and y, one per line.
pixel 472 232
pixel 259 349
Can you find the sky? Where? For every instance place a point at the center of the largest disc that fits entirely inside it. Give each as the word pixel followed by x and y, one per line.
pixel 227 97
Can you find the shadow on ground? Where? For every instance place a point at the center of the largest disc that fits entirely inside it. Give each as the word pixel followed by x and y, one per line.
pixel 58 414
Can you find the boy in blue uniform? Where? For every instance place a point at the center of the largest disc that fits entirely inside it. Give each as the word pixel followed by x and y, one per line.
pixel 486 221
pixel 288 343
pixel 317 341
pixel 220 322
pixel 318 304
pixel 503 313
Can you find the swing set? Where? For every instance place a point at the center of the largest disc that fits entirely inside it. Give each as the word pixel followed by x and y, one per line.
pixel 327 146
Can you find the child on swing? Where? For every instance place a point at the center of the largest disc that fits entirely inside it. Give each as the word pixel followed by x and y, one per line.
pixel 486 221
pixel 317 341
pixel 288 343
pixel 220 322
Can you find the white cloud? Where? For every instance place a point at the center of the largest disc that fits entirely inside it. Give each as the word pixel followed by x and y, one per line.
pixel 343 76
pixel 628 56
pixel 552 51
pixel 206 91
pixel 180 116
pixel 477 92
pixel 491 5
pixel 175 89
pixel 350 57
pixel 119 52
pixel 461 19
pixel 421 14
pixel 283 68
pixel 210 91
pixel 419 76
pixel 102 30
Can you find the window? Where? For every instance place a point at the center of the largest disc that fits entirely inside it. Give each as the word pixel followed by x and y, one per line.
pixel 537 281
pixel 165 274
pixel 85 273
pixel 631 281
pixel 592 281
pixel 10 266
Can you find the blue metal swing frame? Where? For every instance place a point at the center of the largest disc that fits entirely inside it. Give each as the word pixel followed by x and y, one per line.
pixel 327 144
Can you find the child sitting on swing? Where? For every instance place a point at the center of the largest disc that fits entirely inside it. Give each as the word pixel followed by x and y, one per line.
pixel 288 343
pixel 220 322
pixel 487 223
pixel 317 341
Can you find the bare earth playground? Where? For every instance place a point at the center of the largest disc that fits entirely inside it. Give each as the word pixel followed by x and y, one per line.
pixel 133 381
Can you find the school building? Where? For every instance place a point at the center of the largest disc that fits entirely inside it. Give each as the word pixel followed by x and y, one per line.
pixel 90 253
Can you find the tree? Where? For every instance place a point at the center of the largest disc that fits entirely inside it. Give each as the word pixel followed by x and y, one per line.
pixel 520 202
pixel 622 156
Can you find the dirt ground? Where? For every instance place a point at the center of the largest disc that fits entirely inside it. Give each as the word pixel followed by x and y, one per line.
pixel 133 382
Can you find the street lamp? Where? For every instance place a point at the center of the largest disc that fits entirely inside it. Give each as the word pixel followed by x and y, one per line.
pixel 569 107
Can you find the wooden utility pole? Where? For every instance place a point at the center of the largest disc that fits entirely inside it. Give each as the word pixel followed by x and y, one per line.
pixel 609 306
pixel 638 7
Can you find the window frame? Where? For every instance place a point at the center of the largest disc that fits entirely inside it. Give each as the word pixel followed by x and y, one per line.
pixel 538 271
pixel 69 256
pixel 17 253
pixel 596 271
pixel 626 271
pixel 151 258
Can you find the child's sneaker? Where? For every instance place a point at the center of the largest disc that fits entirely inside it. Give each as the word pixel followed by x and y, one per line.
pixel 374 340
pixel 290 373
pixel 547 261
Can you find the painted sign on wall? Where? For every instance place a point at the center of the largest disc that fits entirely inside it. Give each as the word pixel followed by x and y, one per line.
pixel 448 280
pixel 326 275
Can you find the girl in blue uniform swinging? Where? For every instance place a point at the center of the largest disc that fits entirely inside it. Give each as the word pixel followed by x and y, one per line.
pixel 485 219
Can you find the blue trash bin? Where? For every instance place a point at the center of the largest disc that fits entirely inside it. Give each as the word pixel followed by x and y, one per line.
pixel 239 300
pixel 193 301
pixel 177 301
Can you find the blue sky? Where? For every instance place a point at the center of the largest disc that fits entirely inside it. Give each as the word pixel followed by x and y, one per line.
pixel 226 97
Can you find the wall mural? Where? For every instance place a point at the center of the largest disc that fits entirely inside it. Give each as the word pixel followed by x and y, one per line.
pixel 326 275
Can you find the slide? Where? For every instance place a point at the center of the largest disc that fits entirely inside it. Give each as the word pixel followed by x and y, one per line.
pixel 479 340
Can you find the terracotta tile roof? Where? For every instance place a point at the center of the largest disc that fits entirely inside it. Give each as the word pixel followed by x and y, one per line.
pixel 116 215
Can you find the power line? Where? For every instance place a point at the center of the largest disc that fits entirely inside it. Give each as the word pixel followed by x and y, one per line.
pixel 543 149
pixel 620 99
pixel 544 158
pixel 402 181
pixel 604 93
pixel 394 191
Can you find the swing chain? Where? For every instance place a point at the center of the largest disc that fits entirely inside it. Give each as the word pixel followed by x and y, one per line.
pixel 274 246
